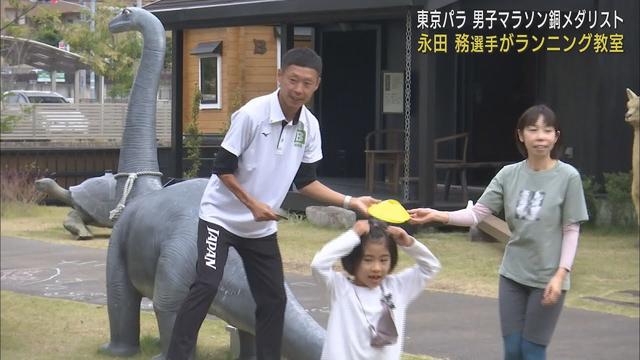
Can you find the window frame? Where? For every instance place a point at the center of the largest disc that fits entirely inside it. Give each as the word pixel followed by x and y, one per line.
pixel 218 103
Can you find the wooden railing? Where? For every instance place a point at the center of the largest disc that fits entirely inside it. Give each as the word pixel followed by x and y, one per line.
pixel 89 124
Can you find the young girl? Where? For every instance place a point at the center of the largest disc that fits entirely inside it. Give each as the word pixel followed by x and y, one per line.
pixel 367 319
pixel 544 204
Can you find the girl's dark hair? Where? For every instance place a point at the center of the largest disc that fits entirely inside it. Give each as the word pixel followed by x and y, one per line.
pixel 377 234
pixel 302 57
pixel 529 117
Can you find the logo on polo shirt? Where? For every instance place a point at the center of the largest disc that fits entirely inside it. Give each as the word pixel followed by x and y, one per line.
pixel 300 138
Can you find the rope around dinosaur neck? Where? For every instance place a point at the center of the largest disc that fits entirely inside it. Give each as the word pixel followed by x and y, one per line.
pixel 128 186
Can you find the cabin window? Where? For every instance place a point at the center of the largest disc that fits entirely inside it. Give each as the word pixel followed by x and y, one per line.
pixel 210 58
pixel 210 85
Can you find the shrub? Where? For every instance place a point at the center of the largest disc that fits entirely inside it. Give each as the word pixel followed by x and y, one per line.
pixel 18 185
pixel 591 189
pixel 618 188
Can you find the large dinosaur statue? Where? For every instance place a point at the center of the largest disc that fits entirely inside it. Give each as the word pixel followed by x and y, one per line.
pixel 152 251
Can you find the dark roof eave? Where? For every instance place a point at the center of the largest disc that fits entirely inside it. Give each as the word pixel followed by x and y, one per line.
pixel 299 12
pixel 180 22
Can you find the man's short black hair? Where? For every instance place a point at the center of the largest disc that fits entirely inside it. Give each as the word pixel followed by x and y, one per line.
pixel 377 234
pixel 304 57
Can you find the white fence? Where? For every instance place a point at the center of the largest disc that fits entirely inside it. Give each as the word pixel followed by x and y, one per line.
pixel 88 124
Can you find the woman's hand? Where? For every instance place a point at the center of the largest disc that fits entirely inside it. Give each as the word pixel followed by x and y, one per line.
pixel 553 290
pixel 426 215
pixel 361 227
pixel 400 236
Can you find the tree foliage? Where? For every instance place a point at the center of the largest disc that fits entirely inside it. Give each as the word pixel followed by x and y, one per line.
pixel 44 23
pixel 116 57
pixel 113 56
pixel 193 136
pixel 47 26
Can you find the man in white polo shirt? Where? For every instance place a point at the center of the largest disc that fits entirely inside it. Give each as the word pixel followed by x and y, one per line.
pixel 273 141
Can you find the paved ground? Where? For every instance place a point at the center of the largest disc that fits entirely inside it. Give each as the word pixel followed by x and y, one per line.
pixel 439 324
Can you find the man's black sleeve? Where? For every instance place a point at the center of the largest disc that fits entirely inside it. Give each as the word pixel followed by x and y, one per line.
pixel 306 174
pixel 225 162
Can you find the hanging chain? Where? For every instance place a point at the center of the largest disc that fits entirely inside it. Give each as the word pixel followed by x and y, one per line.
pixel 407 109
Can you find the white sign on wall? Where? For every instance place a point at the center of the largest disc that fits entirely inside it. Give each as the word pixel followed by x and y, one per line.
pixel 393 91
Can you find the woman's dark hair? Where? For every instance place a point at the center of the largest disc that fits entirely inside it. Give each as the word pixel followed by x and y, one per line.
pixel 529 117
pixel 377 234
pixel 302 57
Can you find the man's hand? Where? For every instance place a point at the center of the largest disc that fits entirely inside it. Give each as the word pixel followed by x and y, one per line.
pixel 361 204
pixel 400 236
pixel 262 212
pixel 426 215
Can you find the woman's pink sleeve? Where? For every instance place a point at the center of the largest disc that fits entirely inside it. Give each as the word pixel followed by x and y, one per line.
pixel 469 216
pixel 570 234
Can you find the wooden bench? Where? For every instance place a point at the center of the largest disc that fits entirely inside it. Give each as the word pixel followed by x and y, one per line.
pixel 496 228
pixel 492 227
pixel 384 147
pixel 450 154
pixel 461 168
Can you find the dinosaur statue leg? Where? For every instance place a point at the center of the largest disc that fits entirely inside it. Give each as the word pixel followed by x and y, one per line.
pixel 123 304
pixel 75 225
pixel 175 273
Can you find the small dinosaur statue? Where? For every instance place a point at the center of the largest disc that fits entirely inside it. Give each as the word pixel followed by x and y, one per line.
pixel 633 118
pixel 91 202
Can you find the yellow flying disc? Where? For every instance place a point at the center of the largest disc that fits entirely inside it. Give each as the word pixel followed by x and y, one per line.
pixel 390 211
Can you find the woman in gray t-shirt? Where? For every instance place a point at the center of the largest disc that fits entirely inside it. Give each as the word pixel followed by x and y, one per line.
pixel 544 204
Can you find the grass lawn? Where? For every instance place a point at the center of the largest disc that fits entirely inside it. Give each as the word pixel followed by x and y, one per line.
pixel 70 330
pixel 607 263
pixel 42 328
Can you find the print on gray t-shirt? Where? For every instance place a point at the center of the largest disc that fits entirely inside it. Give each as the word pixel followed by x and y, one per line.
pixel 529 204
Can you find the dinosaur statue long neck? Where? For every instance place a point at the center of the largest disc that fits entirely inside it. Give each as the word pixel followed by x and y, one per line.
pixel 139 152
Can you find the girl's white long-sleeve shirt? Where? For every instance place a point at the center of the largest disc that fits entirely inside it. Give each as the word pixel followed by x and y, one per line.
pixel 348 335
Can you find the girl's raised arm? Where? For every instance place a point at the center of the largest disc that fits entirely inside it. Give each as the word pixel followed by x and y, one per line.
pixel 412 281
pixel 321 266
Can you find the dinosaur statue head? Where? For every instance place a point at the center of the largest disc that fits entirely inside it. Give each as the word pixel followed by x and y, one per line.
pixel 129 19
pixel 633 109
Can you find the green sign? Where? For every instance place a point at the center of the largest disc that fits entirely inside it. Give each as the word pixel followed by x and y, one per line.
pixel 44 76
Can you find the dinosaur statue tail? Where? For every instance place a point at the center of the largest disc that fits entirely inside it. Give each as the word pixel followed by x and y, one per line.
pixel 297 344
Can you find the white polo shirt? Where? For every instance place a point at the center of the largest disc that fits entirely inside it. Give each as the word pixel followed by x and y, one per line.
pixel 268 159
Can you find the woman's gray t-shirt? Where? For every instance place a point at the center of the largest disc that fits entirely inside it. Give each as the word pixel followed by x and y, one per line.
pixel 537 204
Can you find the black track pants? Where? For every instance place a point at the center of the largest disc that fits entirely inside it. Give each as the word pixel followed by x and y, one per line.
pixel 263 266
